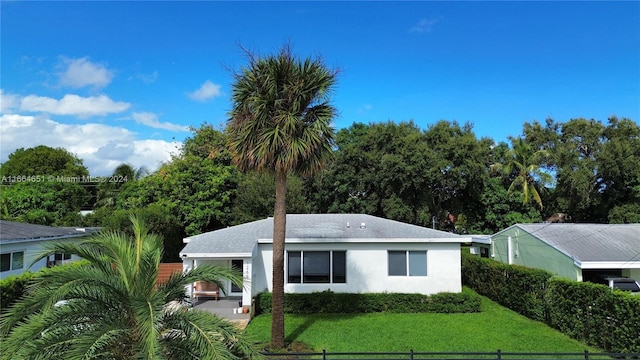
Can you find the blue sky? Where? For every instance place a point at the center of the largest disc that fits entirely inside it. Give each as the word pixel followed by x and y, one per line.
pixel 118 82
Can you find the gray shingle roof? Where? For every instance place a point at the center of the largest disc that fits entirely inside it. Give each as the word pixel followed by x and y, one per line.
pixel 241 239
pixel 11 231
pixel 590 242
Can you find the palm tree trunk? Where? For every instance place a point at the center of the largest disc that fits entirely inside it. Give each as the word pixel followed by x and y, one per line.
pixel 279 229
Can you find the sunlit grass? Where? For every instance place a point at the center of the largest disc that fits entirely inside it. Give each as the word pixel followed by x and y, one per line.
pixel 494 328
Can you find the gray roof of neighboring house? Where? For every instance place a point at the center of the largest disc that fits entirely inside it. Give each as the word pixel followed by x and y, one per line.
pixel 11 231
pixel 590 242
pixel 241 239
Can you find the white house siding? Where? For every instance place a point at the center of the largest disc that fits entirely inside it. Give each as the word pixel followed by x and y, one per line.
pixel 31 249
pixel 367 268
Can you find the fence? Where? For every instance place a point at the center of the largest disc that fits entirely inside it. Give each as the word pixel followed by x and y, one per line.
pixel 412 355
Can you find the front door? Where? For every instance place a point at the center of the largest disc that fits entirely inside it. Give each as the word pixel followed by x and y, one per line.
pixel 237 265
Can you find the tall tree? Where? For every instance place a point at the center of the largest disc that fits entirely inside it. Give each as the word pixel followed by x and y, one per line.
pixel 197 186
pixel 280 123
pixel 111 306
pixel 43 185
pixel 523 163
pixel 43 161
pixel 107 192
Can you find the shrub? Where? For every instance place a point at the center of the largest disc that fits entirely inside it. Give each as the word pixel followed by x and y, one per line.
pixel 587 312
pixel 519 288
pixel 595 315
pixel 328 302
pixel 12 288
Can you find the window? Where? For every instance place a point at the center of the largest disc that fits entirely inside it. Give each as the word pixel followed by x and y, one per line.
pixel 12 261
pixel 316 267
pixel 62 257
pixel 402 263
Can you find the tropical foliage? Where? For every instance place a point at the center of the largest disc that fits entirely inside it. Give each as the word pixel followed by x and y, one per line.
pixel 112 307
pixel 523 164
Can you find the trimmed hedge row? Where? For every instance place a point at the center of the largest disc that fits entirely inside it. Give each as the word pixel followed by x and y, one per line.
pixel 12 288
pixel 594 314
pixel 328 302
pixel 587 312
pixel 518 288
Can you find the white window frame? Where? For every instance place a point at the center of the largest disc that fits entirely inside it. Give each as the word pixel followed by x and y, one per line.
pixel 408 262
pixel 12 266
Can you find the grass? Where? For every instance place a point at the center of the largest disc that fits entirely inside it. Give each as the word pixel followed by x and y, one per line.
pixel 494 328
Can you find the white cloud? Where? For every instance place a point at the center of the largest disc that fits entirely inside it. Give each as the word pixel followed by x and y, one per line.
pixel 151 120
pixel 74 105
pixel 8 102
pixel 424 25
pixel 101 147
pixel 207 91
pixel 82 72
pixel 365 108
pixel 148 78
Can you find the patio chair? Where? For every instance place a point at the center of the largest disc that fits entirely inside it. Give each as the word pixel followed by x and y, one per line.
pixel 205 289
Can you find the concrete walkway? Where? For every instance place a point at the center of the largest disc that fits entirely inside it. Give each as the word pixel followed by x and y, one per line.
pixel 226 308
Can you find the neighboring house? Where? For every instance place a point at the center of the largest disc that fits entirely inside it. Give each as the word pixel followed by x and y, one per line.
pixel 574 251
pixel 20 243
pixel 338 252
pixel 480 245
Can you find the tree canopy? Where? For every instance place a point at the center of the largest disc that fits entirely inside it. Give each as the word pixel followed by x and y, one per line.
pixel 43 161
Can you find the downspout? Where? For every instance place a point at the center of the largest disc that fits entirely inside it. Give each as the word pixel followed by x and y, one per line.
pixel 509 250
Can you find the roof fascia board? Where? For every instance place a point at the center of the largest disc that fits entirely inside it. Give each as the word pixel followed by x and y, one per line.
pixel 214 255
pixel 51 238
pixel 368 240
pixel 608 264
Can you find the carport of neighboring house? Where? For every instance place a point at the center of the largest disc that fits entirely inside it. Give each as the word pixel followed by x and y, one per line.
pixel 574 251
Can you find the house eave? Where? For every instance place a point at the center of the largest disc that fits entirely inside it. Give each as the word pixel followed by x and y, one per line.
pixel 607 264
pixel 214 255
pixel 43 238
pixel 458 240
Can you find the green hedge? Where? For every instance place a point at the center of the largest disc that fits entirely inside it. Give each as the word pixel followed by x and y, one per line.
pixel 12 288
pixel 519 288
pixel 328 302
pixel 588 312
pixel 595 315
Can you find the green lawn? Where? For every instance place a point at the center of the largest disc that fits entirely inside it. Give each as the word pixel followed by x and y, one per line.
pixel 495 328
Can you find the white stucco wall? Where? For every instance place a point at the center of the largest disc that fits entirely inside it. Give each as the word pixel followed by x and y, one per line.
pixel 367 268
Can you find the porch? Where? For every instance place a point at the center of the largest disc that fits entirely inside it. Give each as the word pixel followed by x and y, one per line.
pixel 229 308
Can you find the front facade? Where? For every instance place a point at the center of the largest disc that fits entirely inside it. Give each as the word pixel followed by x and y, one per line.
pixel 20 243
pixel 575 251
pixel 338 252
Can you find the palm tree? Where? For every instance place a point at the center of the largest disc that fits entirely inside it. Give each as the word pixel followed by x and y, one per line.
pixel 522 160
pixel 110 306
pixel 280 123
pixel 109 189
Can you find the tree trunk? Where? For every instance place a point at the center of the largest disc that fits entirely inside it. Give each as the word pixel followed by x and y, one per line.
pixel 279 229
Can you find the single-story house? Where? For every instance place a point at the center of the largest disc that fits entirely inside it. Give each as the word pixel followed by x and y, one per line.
pixel 339 252
pixel 578 252
pixel 20 243
pixel 480 245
